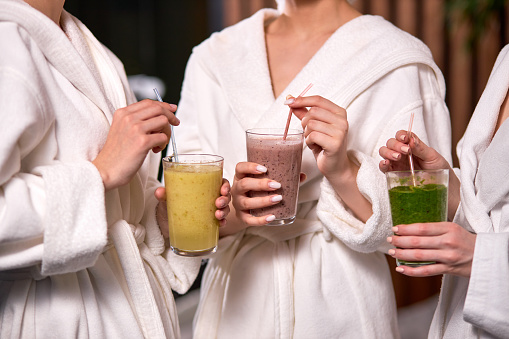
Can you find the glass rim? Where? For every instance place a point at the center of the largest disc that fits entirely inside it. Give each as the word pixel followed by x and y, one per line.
pixel 273 131
pixel 213 158
pixel 419 171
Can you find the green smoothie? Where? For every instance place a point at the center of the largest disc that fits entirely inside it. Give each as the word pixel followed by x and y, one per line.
pixel 417 204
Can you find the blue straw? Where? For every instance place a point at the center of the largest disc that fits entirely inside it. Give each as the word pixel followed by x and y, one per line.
pixel 172 137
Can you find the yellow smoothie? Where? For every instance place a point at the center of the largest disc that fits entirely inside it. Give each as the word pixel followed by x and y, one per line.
pixel 191 192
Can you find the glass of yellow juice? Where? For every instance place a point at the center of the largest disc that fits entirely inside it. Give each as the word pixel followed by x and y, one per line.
pixel 193 184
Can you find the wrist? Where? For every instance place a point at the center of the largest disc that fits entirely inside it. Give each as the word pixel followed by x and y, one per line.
pixel 343 178
pixel 105 176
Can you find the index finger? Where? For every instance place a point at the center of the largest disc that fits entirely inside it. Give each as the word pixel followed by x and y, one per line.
pixel 422 271
pixel 225 187
pixel 317 101
pixel 156 108
pixel 244 169
pixel 420 229
pixel 160 193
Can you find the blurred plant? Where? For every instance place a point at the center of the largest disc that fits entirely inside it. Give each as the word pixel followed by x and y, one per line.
pixel 477 13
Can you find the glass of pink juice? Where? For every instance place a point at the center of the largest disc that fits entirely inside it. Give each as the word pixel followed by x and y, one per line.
pixel 282 158
pixel 193 184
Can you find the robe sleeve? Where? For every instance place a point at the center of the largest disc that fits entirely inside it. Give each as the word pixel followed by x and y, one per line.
pixel 52 214
pixel 430 110
pixel 362 237
pixel 487 301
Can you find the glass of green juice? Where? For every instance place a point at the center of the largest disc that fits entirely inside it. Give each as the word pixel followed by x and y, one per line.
pixel 193 184
pixel 420 197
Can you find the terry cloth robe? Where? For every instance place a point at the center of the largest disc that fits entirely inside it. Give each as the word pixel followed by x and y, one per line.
pixel 74 262
pixel 479 307
pixel 320 277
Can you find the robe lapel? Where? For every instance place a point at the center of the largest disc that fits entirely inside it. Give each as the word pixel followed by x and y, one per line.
pixel 492 179
pixel 354 57
pixel 243 72
pixel 483 160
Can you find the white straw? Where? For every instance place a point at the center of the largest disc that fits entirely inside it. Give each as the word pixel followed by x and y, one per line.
pixel 410 158
pixel 172 137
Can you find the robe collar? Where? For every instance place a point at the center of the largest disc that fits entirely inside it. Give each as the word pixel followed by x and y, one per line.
pixel 58 49
pixel 355 56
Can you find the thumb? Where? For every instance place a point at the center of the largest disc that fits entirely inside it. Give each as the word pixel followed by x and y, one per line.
pixel 421 150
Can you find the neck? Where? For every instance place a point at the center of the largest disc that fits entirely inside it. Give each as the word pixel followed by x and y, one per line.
pixel 51 8
pixel 311 17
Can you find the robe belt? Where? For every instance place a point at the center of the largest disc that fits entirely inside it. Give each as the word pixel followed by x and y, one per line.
pixel 133 253
pixel 277 234
pixel 283 260
pixel 126 239
pixel 32 272
pixel 283 257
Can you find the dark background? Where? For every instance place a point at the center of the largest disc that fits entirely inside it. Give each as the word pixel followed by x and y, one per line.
pixel 152 37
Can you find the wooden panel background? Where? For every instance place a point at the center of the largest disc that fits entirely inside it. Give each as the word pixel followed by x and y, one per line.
pixel 466 72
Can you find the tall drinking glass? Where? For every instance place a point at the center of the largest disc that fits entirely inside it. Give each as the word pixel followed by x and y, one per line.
pixel 282 158
pixel 421 203
pixel 192 186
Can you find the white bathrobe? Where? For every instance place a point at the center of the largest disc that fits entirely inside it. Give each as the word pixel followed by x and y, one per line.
pixel 322 276
pixel 479 307
pixel 74 262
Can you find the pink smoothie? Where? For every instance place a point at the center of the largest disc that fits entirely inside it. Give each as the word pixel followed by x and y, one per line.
pixel 283 161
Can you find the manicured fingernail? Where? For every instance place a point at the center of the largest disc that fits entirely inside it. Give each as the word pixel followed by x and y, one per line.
pixel 289 101
pixel 391 251
pixel 274 184
pixel 270 218
pixel 400 269
pixel 405 149
pixel 261 168
pixel 395 229
pixel 396 155
pixel 402 137
pixel 389 239
pixel 173 106
pixel 276 198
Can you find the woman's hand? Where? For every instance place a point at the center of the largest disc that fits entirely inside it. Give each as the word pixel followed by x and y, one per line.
pixel 446 243
pixel 243 183
pixel 325 129
pixel 396 154
pixel 222 205
pixel 135 130
pixel 397 150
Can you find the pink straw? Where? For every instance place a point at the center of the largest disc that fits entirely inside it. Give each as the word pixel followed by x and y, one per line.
pixel 290 113
pixel 410 159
